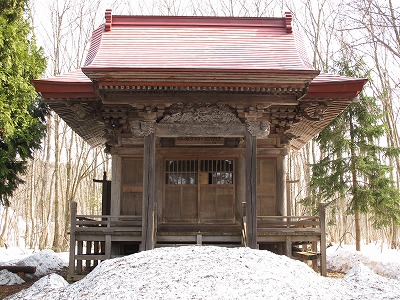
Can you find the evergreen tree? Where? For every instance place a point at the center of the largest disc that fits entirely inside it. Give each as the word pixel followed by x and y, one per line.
pixel 22 115
pixel 352 164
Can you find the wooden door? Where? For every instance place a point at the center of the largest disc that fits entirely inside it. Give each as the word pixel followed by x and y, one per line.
pixel 131 186
pixel 180 203
pixel 199 191
pixel 217 191
pixel 266 187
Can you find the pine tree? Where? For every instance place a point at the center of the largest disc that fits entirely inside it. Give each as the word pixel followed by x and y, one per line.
pixel 22 115
pixel 352 164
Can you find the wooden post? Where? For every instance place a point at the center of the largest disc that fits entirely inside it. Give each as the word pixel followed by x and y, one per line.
pixel 281 186
pixel 116 185
pixel 251 198
pixel 288 246
pixel 88 252
pixel 107 251
pixel 72 242
pixel 149 177
pixel 79 251
pixel 106 194
pixel 323 238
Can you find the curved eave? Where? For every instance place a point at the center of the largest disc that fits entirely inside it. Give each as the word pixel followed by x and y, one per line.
pixel 58 89
pixel 336 92
pixel 335 89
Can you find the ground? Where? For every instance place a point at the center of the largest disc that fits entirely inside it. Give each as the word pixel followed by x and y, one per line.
pixel 7 290
pixel 196 272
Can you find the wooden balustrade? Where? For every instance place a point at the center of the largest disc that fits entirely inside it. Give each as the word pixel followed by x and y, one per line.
pixel 92 236
pixel 306 231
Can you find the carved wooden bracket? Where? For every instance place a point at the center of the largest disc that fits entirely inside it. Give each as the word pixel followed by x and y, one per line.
pixel 142 128
pixel 258 129
pixel 317 114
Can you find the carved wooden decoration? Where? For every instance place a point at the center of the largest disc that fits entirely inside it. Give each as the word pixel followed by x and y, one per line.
pixel 200 113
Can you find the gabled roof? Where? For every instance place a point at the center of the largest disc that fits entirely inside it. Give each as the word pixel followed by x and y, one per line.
pixel 188 54
pixel 194 43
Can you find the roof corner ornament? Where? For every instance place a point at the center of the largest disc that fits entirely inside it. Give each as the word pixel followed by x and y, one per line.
pixel 318 114
pixel 288 21
pixel 108 17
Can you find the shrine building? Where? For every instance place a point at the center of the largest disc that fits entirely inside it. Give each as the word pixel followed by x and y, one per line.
pixel 198 115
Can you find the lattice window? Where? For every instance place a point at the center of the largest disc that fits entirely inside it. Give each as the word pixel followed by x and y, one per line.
pixel 181 172
pixel 188 172
pixel 219 171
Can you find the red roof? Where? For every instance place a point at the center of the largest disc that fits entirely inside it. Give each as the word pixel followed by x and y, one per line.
pixel 149 53
pixel 200 43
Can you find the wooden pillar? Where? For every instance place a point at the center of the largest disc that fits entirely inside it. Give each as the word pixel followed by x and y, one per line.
pixel 72 242
pixel 323 238
pixel 116 185
pixel 149 177
pixel 251 188
pixel 281 186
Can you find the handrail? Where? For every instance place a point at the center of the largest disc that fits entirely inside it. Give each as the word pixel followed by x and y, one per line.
pixel 107 221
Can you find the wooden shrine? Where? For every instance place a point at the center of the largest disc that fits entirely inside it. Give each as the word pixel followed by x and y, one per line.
pixel 198 114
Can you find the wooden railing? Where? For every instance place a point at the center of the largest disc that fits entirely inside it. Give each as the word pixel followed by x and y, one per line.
pixel 305 231
pixel 91 238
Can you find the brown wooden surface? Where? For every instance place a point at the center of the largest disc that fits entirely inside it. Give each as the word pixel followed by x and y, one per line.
pixel 131 186
pixel 19 269
pixel 148 208
pixel 323 239
pixel 180 203
pixel 266 186
pixel 72 241
pixel 251 194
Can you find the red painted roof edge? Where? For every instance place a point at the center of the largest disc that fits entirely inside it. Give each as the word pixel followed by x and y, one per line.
pixel 197 21
pixel 205 70
pixel 335 87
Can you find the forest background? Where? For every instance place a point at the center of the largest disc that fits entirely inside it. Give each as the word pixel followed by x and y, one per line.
pixel 64 169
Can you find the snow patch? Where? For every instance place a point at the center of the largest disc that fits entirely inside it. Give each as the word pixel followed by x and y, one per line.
pixel 200 272
pixel 9 278
pixel 343 258
pixel 45 261
pixel 42 288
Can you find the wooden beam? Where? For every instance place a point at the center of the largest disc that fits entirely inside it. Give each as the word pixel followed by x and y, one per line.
pixel 251 197
pixel 149 177
pixel 185 97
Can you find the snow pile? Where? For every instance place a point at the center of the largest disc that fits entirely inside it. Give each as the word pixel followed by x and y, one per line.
pixel 42 288
pixel 365 282
pixel 198 272
pixel 343 258
pixel 45 261
pixel 8 278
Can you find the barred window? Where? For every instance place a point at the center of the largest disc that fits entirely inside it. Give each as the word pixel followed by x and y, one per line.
pixel 219 171
pixel 181 172
pixel 188 171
